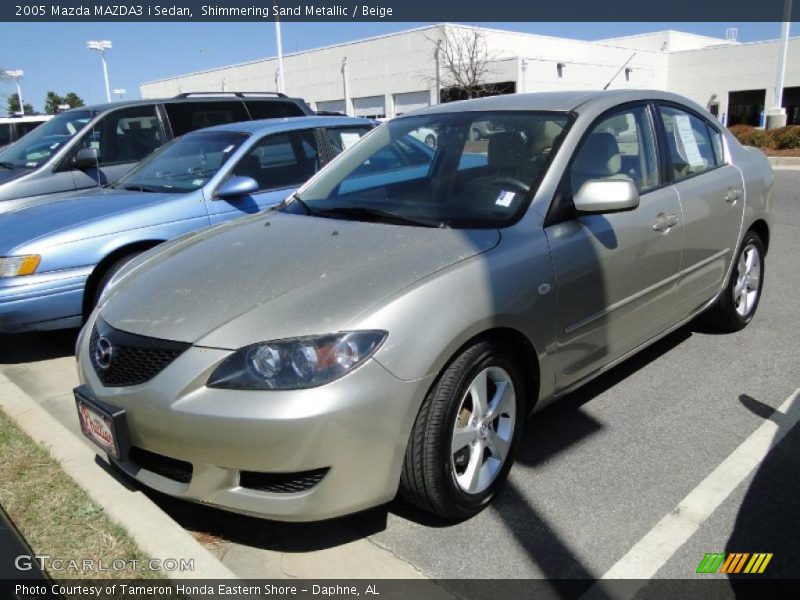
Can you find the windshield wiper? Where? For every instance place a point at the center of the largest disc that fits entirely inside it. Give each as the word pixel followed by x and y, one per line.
pixel 7 164
pixel 135 187
pixel 374 214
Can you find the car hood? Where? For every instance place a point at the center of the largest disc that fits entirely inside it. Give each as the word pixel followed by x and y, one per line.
pixel 278 276
pixel 50 215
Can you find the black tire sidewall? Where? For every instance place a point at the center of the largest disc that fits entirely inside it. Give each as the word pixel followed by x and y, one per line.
pixel 469 504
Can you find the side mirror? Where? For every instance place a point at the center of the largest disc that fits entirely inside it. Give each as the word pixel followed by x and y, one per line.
pixel 606 195
pixel 86 158
pixel 236 187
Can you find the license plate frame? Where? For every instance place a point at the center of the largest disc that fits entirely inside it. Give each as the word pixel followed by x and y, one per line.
pixel 104 425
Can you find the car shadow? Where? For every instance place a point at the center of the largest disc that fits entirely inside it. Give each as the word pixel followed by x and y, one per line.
pixel 20 348
pixel 767 519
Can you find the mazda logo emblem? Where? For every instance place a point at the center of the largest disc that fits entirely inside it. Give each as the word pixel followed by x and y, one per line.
pixel 103 351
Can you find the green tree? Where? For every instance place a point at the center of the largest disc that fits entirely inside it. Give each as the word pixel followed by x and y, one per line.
pixel 73 100
pixel 51 103
pixel 13 105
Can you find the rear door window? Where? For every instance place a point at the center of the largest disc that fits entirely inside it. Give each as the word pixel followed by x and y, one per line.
pixel 189 116
pixel 273 109
pixel 125 135
pixel 341 138
pixel 690 147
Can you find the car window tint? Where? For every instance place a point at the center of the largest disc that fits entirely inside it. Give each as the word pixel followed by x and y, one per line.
pixel 125 135
pixel 188 116
pixel 281 160
pixel 273 109
pixel 5 134
pixel 620 146
pixel 341 138
pixel 690 147
pixel 26 127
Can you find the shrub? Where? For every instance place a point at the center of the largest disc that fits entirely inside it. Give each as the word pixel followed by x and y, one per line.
pixel 786 137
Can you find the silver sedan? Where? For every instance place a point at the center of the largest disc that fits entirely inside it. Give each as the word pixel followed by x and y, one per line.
pixel 391 326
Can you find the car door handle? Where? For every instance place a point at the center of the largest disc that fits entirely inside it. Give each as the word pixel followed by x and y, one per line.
pixel 664 223
pixel 733 195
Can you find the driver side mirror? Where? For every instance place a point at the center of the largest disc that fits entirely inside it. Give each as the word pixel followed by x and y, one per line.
pixel 86 158
pixel 605 196
pixel 236 187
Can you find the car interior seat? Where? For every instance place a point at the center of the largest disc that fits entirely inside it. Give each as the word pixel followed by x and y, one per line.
pixel 599 158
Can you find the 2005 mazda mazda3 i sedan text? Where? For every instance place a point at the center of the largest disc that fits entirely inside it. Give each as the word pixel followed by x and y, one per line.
pixel 391 326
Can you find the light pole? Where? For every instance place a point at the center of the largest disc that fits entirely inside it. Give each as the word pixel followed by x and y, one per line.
pixel 101 46
pixel 16 76
pixel 279 44
pixel 120 92
pixel 776 116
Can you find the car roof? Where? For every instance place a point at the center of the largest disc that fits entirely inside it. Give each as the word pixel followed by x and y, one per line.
pixel 182 100
pixel 286 124
pixel 565 101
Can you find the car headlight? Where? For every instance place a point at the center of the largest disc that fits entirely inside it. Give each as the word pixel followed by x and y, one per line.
pixel 14 266
pixel 297 363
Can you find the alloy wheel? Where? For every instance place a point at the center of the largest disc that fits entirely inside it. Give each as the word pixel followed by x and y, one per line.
pixel 748 277
pixel 483 430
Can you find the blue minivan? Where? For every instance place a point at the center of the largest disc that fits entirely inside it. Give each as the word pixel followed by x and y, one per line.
pixel 57 254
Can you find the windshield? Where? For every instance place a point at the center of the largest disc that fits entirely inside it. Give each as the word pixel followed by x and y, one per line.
pixel 466 169
pixel 35 148
pixel 184 165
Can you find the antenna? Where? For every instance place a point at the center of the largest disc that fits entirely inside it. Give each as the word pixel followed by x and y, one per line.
pixel 625 64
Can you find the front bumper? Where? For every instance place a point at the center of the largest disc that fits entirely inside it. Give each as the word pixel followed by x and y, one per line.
pixel 42 302
pixel 357 427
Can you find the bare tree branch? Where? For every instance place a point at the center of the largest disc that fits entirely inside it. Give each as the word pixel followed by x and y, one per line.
pixel 464 59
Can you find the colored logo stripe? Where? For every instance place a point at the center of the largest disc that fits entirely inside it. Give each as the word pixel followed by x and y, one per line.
pixel 734 562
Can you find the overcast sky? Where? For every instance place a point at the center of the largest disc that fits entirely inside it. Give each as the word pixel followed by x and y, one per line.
pixel 54 55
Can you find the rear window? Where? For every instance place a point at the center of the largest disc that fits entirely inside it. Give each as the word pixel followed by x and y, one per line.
pixel 273 109
pixel 188 116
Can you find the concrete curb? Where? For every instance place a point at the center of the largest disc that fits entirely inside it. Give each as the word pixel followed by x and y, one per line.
pixel 785 162
pixel 154 532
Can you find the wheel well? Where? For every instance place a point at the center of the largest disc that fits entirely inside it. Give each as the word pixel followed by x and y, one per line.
pixel 103 265
pixel 522 349
pixel 762 229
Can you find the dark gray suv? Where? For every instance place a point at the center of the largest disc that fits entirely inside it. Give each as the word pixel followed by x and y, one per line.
pixel 92 146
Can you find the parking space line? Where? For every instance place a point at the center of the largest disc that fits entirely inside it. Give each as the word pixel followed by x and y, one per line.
pixel 653 551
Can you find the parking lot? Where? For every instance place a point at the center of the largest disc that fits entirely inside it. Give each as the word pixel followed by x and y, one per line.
pixel 596 472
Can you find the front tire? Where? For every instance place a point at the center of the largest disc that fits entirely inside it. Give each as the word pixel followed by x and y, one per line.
pixel 108 276
pixel 463 442
pixel 738 303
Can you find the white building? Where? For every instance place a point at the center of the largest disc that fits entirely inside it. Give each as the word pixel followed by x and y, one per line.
pixel 391 74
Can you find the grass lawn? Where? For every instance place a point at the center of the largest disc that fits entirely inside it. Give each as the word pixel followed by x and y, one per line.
pixel 56 516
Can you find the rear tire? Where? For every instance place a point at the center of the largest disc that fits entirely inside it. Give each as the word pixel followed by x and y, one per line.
pixel 739 301
pixel 463 442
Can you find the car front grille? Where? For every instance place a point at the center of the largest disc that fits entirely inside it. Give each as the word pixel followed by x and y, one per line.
pixel 123 359
pixel 171 468
pixel 281 483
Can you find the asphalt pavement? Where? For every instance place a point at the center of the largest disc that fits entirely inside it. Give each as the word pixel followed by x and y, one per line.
pixel 596 473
